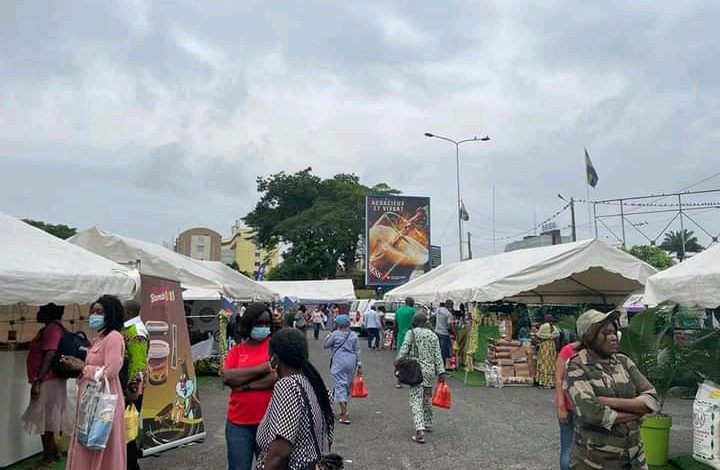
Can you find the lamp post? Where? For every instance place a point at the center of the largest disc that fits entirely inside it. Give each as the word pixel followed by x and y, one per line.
pixel 457 144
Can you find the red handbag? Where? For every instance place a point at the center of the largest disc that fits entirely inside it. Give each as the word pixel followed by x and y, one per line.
pixel 358 389
pixel 442 397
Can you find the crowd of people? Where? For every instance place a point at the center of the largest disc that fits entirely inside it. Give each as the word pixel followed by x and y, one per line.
pixel 280 412
pixel 117 355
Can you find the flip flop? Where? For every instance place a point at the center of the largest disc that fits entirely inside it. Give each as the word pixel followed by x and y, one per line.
pixel 344 421
pixel 418 440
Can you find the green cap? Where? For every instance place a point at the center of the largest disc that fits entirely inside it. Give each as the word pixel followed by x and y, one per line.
pixel 590 318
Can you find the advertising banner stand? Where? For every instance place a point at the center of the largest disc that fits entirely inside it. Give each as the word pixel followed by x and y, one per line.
pixel 398 239
pixel 171 414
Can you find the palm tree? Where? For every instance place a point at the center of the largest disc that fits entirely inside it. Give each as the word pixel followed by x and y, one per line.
pixel 673 242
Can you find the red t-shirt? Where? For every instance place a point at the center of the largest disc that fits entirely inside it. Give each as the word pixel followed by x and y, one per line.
pixel 47 339
pixel 248 407
pixel 566 353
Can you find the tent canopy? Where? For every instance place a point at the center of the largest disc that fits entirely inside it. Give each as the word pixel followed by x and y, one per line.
pixel 588 271
pixel 694 283
pixel 37 268
pixel 243 287
pixel 334 291
pixel 158 261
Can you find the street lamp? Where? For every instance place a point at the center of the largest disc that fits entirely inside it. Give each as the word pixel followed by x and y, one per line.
pixel 457 144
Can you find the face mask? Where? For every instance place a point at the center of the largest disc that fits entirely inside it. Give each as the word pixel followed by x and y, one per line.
pixel 96 321
pixel 259 333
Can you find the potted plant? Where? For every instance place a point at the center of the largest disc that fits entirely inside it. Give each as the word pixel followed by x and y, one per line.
pixel 674 370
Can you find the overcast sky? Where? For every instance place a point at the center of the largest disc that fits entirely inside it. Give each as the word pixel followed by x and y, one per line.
pixel 147 117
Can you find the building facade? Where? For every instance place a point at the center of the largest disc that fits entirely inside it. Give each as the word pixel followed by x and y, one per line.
pixel 200 243
pixel 548 238
pixel 242 249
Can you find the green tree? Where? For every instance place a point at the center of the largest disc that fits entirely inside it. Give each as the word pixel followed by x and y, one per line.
pixel 321 221
pixel 673 242
pixel 59 230
pixel 652 255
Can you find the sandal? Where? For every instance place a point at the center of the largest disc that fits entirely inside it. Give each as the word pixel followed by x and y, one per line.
pixel 418 439
pixel 428 430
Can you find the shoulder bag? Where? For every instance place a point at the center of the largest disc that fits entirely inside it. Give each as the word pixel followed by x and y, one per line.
pixel 324 461
pixel 407 369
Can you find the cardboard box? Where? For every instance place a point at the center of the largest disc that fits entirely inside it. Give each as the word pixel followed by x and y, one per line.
pixel 507 371
pixel 505 362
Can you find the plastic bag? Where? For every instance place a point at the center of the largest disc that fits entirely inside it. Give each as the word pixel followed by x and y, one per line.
pixel 131 422
pixel 493 377
pixel 358 389
pixel 442 397
pixel 706 419
pixel 96 412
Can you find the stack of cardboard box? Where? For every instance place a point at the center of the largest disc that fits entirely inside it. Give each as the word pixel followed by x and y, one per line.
pixel 514 359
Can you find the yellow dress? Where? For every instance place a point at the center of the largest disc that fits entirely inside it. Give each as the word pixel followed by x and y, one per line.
pixel 547 355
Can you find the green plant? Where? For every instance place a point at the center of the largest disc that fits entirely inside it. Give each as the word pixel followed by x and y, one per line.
pixel 673 369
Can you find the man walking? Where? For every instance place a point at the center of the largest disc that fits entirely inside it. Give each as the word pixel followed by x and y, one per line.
pixel 317 321
pixel 136 349
pixel 443 328
pixel 372 326
pixel 403 322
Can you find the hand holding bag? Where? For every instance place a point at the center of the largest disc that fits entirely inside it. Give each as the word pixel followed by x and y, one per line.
pixel 358 386
pixel 442 397
pixel 407 369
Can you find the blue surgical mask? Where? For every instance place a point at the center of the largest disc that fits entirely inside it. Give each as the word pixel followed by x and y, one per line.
pixel 96 321
pixel 259 333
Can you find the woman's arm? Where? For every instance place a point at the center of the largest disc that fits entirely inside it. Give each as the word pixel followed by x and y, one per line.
pixel 560 366
pixel 586 404
pixel 405 346
pixel 236 378
pixel 356 349
pixel 48 356
pixel 329 340
pixel 278 454
pixel 644 403
pixel 636 406
pixel 263 383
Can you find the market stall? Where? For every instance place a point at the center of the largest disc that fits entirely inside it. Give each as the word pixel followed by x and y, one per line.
pixel 37 268
pixel 501 290
pixel 692 283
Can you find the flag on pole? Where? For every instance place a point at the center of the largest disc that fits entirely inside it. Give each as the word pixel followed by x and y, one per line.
pixel 463 212
pixel 592 176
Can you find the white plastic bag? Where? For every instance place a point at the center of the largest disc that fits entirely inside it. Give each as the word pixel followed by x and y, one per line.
pixel 493 377
pixel 706 424
pixel 96 411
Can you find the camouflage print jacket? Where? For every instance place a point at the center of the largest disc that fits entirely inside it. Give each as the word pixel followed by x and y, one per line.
pixel 588 377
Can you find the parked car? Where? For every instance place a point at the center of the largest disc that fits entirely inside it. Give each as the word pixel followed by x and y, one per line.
pixel 357 314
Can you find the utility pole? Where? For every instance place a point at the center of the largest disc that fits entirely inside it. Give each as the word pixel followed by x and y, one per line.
pixel 493 217
pixel 469 245
pixel 572 219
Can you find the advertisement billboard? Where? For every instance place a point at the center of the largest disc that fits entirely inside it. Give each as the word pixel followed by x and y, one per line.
pixel 397 230
pixel 171 413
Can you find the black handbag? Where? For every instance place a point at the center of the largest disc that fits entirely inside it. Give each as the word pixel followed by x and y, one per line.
pixel 324 461
pixel 407 369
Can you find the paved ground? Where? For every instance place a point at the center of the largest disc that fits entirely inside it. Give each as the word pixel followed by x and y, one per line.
pixel 512 428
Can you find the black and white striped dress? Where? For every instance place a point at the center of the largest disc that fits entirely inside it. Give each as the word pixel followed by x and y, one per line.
pixel 287 417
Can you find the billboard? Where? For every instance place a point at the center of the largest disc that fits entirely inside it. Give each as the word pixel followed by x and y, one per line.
pixel 397 230
pixel 171 413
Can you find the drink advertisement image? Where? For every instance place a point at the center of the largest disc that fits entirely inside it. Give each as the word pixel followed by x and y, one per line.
pixel 171 413
pixel 398 239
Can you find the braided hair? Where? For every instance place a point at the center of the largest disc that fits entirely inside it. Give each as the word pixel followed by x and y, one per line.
pixel 250 319
pixel 290 346
pixel 114 313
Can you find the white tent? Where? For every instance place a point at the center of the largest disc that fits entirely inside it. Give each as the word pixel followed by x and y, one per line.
pixel 694 283
pixel 37 268
pixel 244 288
pixel 158 261
pixel 587 271
pixel 334 291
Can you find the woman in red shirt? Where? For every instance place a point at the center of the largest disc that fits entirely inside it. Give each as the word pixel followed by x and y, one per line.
pixel 566 417
pixel 248 374
pixel 47 412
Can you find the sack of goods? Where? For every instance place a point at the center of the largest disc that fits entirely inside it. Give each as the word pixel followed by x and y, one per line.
pixel 512 363
pixel 706 419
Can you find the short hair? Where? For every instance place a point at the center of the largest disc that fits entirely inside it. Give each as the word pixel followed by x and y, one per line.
pixel 410 302
pixel 52 311
pixel 114 313
pixel 250 319
pixel 133 307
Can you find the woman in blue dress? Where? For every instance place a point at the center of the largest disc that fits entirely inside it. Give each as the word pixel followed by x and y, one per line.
pixel 344 361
